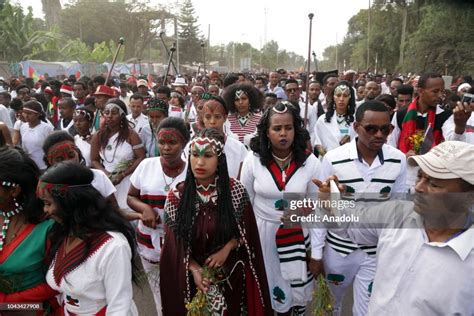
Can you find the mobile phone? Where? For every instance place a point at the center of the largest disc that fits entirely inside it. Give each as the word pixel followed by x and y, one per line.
pixel 468 98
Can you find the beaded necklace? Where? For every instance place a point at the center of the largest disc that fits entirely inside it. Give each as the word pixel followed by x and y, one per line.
pixel 6 222
pixel 243 119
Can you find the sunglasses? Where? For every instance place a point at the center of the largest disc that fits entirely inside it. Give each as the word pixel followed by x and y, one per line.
pixel 373 129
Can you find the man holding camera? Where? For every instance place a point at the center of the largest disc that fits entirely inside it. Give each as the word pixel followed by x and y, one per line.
pixel 463 117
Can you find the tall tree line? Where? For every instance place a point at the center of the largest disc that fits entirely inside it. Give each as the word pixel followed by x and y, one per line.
pixel 436 38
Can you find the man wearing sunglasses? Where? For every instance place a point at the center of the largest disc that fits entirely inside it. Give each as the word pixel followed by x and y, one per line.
pixel 372 171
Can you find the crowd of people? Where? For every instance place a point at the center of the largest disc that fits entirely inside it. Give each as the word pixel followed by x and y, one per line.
pixel 186 185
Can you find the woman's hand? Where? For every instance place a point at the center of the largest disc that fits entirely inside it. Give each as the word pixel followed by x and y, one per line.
pixel 218 259
pixel 149 218
pixel 117 178
pixel 200 282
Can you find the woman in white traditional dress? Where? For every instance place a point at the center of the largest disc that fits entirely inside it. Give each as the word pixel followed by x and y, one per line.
pixel 33 133
pixel 334 128
pixel 83 118
pixel 282 163
pixel 150 184
pixel 92 246
pixel 117 150
pixel 214 115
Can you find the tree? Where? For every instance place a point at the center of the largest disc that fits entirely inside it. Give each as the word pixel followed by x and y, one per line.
pixel 19 33
pixel 51 10
pixel 138 24
pixel 189 38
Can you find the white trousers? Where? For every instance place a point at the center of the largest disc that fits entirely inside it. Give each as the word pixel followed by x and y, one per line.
pixel 153 276
pixel 357 267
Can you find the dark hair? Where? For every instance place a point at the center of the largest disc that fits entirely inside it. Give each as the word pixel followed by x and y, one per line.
pixel 17 167
pixel 125 130
pixel 6 95
pixel 44 84
pixel 80 83
pixel 99 80
pixel 424 78
pixel 123 84
pixel 137 97
pixel 271 95
pixel 254 95
pixel 349 116
pixel 185 219
pixel 165 90
pixel 41 99
pixel 260 144
pixel 291 80
pixel 82 209
pixel 178 124
pixel 68 101
pixel 405 89
pixel 327 76
pixel 372 105
pixel 89 101
pixel 16 104
pixel 396 79
pixel 467 79
pixel 57 137
pixel 36 106
pixel 22 86
pixel 230 80
pixel 388 99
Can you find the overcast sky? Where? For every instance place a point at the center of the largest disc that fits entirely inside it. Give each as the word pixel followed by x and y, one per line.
pixel 287 21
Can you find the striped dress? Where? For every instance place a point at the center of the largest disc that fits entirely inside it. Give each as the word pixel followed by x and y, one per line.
pixel 249 128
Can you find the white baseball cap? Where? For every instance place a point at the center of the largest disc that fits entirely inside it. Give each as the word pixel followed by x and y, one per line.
pixel 448 160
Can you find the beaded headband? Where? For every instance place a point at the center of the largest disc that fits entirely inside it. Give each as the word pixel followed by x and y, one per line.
pixel 342 89
pixel 157 105
pixel 87 115
pixel 200 145
pixel 55 189
pixel 206 96
pixel 111 106
pixel 9 184
pixel 239 93
pixel 286 104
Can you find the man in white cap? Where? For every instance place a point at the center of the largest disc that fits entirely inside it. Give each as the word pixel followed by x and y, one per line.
pixel 425 257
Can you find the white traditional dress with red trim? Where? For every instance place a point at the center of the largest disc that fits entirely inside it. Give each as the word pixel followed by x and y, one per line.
pixel 266 186
pixel 154 185
pixel 99 285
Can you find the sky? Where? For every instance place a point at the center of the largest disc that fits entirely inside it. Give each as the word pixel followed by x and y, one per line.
pixel 287 21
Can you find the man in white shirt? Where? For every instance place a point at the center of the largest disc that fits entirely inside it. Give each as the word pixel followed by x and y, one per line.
pixel 138 119
pixel 371 170
pixel 425 254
